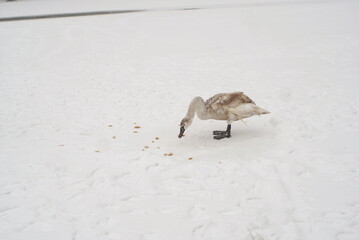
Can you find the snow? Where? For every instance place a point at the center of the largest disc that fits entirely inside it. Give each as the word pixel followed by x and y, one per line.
pixel 72 91
pixel 43 7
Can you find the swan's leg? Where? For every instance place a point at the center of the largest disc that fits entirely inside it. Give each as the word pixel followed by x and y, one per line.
pixel 223 134
pixel 229 126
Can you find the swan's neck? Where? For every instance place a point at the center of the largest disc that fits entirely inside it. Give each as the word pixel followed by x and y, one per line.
pixel 197 105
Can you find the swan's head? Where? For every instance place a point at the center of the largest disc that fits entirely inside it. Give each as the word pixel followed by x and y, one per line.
pixel 185 123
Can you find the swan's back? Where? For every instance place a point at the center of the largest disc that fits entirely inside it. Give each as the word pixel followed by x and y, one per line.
pixel 224 101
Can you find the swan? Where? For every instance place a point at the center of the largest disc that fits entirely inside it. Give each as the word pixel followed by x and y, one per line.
pixel 223 106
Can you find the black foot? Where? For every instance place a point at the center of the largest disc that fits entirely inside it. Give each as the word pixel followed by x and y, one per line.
pixel 219 132
pixel 219 137
pixel 222 134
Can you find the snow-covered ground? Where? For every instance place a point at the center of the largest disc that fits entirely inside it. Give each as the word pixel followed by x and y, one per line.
pixel 72 91
pixel 39 7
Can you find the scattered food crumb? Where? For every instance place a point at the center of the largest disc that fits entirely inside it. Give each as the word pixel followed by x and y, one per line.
pixel 157 138
pixel 61 145
pixel 114 137
pixel 153 141
pixel 165 154
pixel 97 151
pixel 135 132
pixel 137 127
pixel 169 154
pixel 158 147
pixel 134 123
pixel 190 158
pixel 146 147
pixel 220 162
pixel 109 125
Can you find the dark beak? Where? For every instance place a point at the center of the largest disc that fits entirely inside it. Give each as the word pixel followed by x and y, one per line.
pixel 181 132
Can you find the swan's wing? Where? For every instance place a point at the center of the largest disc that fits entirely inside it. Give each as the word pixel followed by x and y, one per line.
pixel 247 110
pixel 225 101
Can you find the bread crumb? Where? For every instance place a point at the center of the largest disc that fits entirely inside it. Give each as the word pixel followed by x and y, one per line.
pixel 146 147
pixel 97 151
pixel 114 137
pixel 157 138
pixel 135 132
pixel 110 125
pixel 170 154
pixel 137 127
pixel 190 158
pixel 61 145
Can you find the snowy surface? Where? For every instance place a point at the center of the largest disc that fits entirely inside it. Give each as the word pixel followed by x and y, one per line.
pixel 73 89
pixel 40 7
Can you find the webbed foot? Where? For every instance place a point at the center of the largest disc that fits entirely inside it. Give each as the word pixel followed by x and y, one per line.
pixel 219 132
pixel 219 137
pixel 222 134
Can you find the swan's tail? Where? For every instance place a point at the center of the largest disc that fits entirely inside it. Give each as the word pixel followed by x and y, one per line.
pixel 261 111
